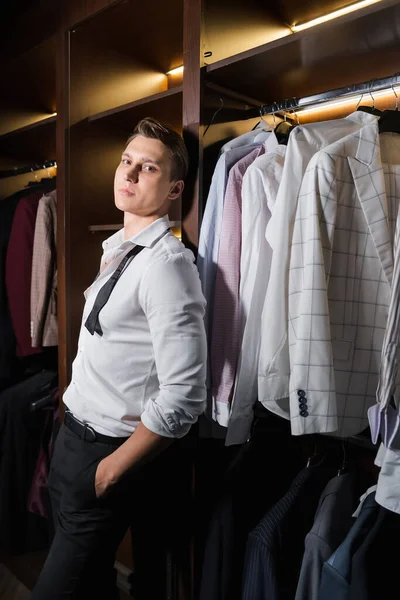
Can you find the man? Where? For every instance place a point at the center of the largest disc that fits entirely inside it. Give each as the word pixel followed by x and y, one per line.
pixel 138 382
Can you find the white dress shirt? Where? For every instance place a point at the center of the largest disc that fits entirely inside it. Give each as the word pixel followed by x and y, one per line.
pixel 150 363
pixel 259 191
pixel 210 231
pixel 304 142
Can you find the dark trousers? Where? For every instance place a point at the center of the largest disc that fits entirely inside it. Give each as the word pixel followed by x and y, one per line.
pixel 88 531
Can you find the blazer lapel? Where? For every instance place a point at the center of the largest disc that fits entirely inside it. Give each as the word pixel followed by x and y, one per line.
pixel 369 180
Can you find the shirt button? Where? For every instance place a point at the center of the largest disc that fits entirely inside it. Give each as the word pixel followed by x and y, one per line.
pixel 301 393
pixel 304 413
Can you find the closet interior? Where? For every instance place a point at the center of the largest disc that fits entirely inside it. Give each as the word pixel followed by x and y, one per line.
pixel 75 80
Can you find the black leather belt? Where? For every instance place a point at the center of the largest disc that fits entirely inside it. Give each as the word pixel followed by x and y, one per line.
pixel 87 433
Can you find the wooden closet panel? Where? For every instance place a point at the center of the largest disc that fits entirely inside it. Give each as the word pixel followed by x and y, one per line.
pixel 31 144
pixel 233 26
pixel 25 27
pixel 91 74
pixel 122 55
pixel 28 87
pixel 294 12
pixel 63 248
pixel 349 50
pixel 191 206
pixel 94 154
pixel 78 10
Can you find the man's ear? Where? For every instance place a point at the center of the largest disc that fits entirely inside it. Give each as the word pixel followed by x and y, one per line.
pixel 176 190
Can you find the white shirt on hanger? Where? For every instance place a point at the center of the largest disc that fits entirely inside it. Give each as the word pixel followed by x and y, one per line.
pixel 304 142
pixel 259 192
pixel 210 231
pixel 150 363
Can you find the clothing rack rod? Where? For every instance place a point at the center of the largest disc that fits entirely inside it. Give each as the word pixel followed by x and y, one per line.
pixel 248 101
pixel 28 169
pixel 367 87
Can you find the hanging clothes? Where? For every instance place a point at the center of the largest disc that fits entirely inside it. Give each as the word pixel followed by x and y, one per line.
pixel 332 522
pixel 339 282
pixel 226 318
pixel 259 192
pixel 20 440
pixel 209 238
pixel 9 366
pixel 7 346
pixel 44 325
pixel 255 480
pixel 274 366
pixel 275 547
pixel 19 269
pixel 210 230
pixel 337 570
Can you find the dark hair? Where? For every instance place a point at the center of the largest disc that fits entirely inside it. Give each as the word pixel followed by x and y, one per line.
pixel 150 128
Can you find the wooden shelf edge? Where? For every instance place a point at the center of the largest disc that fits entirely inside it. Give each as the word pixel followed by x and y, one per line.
pixel 297 36
pixel 123 107
pixel 33 126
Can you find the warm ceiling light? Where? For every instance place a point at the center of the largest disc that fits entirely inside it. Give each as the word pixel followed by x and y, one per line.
pixel 350 100
pixel 334 15
pixel 176 71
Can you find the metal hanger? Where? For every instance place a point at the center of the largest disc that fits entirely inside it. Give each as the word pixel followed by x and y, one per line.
pixel 343 467
pixel 390 119
pixel 262 120
pixel 366 108
pixel 283 129
pixel 214 116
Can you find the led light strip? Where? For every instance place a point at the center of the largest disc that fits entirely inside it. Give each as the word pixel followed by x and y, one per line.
pixel 351 99
pixel 176 71
pixel 335 14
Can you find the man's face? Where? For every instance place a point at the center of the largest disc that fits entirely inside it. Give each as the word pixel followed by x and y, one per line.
pixel 142 184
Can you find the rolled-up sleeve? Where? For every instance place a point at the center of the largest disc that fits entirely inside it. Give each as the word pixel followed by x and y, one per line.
pixel 172 300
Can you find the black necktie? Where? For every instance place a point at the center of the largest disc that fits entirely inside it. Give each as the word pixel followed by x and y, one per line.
pixel 92 323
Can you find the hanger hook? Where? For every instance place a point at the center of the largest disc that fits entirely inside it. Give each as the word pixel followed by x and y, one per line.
pixel 359 102
pixel 395 93
pixel 34 174
pixel 295 113
pixel 343 466
pixel 273 113
pixel 370 92
pixel 213 117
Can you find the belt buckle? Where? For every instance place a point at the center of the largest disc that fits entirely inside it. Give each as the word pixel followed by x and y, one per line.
pixel 87 429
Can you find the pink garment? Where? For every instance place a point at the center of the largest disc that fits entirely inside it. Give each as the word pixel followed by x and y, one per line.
pixel 225 327
pixel 19 270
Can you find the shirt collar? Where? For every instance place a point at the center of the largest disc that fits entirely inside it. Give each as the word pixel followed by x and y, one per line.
pixel 271 142
pixel 147 237
pixel 359 116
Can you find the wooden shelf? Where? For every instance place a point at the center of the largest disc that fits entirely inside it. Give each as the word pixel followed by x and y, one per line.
pixel 27 128
pixel 162 106
pixel 33 143
pixel 28 86
pixel 122 55
pixel 148 33
pixel 312 61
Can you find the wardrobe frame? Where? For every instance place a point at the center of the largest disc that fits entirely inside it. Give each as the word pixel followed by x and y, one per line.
pixel 256 59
